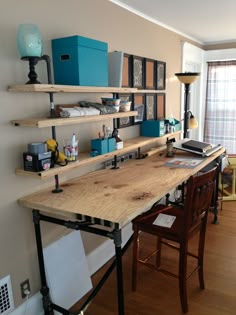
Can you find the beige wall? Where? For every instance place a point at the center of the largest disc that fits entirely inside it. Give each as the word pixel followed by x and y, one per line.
pixel 98 19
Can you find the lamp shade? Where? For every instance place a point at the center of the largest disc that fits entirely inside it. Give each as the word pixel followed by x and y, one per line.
pixel 29 41
pixel 187 77
pixel 192 123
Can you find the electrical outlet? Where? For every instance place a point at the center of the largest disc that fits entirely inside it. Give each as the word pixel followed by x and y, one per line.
pixel 25 288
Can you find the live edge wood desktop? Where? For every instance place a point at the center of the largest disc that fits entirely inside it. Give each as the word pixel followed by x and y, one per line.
pixel 109 197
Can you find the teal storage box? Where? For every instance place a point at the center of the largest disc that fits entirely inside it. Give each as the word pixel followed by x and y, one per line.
pixel 153 128
pixel 111 144
pixel 79 60
pixel 99 145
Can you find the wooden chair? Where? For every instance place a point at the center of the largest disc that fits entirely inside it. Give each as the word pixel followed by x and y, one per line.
pixel 190 219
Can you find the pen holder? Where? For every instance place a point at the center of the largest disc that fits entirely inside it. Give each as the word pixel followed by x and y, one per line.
pixel 111 144
pixel 99 145
pixel 103 146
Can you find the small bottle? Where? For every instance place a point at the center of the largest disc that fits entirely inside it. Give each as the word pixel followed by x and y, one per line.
pixel 74 148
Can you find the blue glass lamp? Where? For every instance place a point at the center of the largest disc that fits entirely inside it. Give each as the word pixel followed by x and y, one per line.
pixel 30 47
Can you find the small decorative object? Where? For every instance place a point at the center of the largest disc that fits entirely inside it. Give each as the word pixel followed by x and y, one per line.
pixel 139 102
pixel 161 75
pixel 170 148
pixel 150 106
pixel 150 74
pixel 29 43
pixel 138 72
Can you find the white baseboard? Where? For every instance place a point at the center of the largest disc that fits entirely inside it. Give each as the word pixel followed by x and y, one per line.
pixel 96 259
pixel 33 306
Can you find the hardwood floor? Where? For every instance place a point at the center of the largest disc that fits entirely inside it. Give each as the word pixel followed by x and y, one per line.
pixel 157 294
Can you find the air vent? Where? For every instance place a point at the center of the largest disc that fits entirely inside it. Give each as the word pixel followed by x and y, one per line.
pixel 6 298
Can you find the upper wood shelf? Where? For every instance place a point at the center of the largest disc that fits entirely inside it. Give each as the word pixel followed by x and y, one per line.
pixel 85 159
pixel 49 122
pixel 54 88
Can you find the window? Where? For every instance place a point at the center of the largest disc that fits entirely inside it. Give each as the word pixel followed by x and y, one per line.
pixel 220 117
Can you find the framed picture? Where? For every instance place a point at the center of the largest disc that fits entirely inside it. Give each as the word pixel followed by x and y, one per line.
pixel 151 107
pixel 161 106
pixel 125 121
pixel 138 72
pixel 139 105
pixel 126 71
pixel 161 75
pixel 150 74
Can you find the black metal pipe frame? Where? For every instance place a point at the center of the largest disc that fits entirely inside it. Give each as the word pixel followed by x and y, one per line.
pixel 186 109
pixel 84 226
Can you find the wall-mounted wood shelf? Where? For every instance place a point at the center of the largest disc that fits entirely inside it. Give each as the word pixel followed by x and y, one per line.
pixel 49 122
pixel 85 159
pixel 54 88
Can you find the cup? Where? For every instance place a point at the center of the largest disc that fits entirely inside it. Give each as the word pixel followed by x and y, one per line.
pixel 71 151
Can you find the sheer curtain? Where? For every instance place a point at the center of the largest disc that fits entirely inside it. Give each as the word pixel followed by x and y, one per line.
pixel 220 116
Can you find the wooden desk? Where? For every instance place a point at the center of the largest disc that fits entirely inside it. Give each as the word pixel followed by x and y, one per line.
pixel 107 198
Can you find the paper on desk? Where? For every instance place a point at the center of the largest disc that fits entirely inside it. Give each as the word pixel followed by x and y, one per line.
pixel 164 220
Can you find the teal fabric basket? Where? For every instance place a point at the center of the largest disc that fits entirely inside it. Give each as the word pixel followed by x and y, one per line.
pixel 79 60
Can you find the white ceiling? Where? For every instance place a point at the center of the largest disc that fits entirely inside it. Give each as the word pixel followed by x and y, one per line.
pixel 205 21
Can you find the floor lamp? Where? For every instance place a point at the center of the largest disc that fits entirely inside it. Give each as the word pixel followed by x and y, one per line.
pixel 189 120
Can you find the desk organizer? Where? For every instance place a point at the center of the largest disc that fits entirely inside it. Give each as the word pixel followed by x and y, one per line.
pixel 153 128
pixel 103 146
pixel 79 60
pixel 177 125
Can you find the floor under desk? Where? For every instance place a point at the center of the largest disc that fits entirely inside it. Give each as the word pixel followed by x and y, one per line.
pixel 151 296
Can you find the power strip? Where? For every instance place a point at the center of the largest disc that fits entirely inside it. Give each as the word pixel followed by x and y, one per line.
pixel 120 159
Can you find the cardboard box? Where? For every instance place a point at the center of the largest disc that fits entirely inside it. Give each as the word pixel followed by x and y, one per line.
pixel 153 128
pixel 79 60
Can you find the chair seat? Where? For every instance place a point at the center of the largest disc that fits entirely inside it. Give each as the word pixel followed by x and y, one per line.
pixel 145 223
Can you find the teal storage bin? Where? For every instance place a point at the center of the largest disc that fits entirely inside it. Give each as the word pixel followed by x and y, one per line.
pixel 99 145
pixel 153 128
pixel 79 60
pixel 111 144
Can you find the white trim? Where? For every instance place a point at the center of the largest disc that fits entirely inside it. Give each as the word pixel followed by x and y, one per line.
pixel 127 7
pixel 32 306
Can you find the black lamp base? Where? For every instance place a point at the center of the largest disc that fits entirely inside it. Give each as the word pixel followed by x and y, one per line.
pixel 32 74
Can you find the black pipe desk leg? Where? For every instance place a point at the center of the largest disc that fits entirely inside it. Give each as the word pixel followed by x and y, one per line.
pixel 120 291
pixel 47 304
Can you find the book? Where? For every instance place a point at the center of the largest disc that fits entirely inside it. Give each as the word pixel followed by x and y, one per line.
pixel 197 146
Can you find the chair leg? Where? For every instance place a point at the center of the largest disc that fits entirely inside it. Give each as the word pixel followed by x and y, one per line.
pixel 158 255
pixel 135 258
pixel 183 277
pixel 201 256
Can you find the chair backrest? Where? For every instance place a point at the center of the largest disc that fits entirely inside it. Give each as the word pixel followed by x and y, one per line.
pixel 199 194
